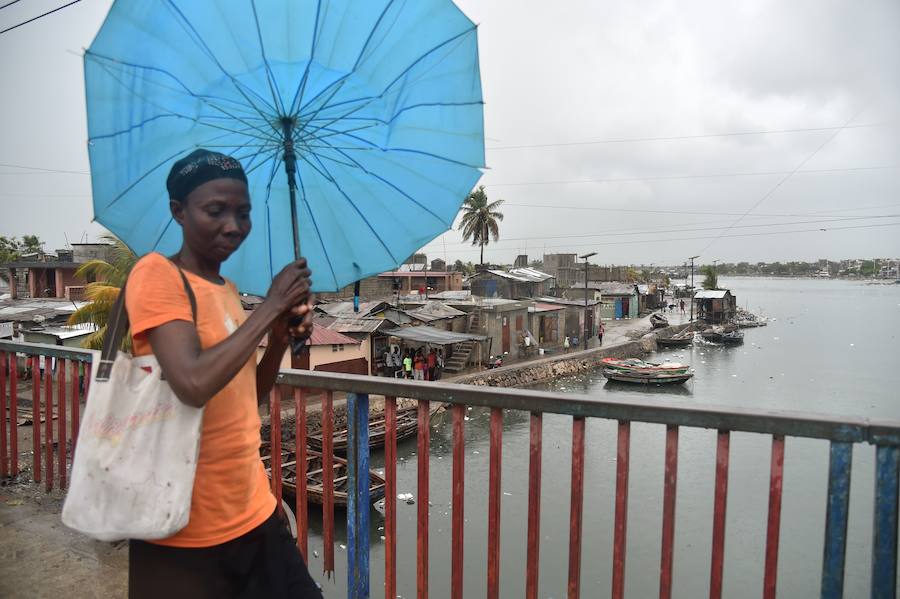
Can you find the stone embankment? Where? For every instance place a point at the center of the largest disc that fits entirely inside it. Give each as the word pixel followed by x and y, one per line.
pixel 538 371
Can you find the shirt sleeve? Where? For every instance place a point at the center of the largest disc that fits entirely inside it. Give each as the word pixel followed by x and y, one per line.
pixel 155 295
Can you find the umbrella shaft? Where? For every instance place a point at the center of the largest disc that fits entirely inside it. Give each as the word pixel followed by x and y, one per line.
pixel 290 167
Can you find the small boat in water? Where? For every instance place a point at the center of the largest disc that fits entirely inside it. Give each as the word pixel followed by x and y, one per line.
pixel 636 366
pixel 724 337
pixel 315 490
pixel 659 378
pixel 682 339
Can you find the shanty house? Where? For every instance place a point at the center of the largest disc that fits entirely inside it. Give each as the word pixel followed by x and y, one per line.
pixel 575 314
pixel 512 284
pixel 328 351
pixel 715 306
pixel 547 323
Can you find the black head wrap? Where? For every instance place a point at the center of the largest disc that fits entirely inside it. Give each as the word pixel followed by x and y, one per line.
pixel 199 167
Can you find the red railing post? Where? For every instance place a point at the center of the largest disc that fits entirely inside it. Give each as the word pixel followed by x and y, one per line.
pixel 532 567
pixel 774 525
pixel 48 423
pixel 275 443
pixel 300 507
pixel 576 506
pixel 668 527
pixel 328 480
pixel 493 556
pixel 61 423
pixel 422 457
pixel 76 398
pixel 35 418
pixel 621 521
pixel 390 496
pixel 13 414
pixel 4 470
pixel 458 508
pixel 719 505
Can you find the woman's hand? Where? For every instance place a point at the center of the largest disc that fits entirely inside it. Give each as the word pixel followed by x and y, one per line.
pixel 295 322
pixel 290 287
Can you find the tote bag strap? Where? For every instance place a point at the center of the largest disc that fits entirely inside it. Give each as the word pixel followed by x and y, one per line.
pixel 117 327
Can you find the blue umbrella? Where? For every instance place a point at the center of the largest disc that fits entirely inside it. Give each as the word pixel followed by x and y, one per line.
pixel 360 124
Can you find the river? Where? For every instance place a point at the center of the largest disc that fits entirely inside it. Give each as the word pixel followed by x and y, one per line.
pixel 831 347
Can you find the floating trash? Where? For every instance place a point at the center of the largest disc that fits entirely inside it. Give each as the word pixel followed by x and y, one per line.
pixel 404 496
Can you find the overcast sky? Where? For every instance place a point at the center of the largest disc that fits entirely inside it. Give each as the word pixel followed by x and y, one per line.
pixel 558 76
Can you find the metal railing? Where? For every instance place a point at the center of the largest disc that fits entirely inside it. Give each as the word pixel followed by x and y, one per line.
pixel 842 433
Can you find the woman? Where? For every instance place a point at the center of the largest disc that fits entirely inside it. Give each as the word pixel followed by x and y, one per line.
pixel 234 544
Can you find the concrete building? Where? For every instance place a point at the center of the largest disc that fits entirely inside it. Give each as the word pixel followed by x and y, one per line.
pixel 54 276
pixel 618 300
pixel 547 322
pixel 575 314
pixel 564 268
pixel 329 351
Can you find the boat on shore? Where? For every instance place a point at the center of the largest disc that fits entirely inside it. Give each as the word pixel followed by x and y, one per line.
pixel 658 321
pixel 723 337
pixel 637 366
pixel 407 425
pixel 659 378
pixel 682 339
pixel 315 490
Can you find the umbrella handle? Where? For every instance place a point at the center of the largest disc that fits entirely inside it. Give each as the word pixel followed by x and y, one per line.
pixel 298 344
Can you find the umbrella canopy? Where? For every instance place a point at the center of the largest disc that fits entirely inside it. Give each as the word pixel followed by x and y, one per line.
pixel 371 110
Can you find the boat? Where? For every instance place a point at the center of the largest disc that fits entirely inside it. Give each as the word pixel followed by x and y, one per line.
pixel 658 320
pixel 407 425
pixel 682 339
pixel 646 378
pixel 724 337
pixel 314 478
pixel 636 366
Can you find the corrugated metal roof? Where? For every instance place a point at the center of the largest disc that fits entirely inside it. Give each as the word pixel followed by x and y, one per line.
pixel 26 310
pixel 567 302
pixel 521 275
pixel 356 325
pixel 608 287
pixel 65 331
pixel 435 311
pixel 710 294
pixel 346 308
pixel 542 307
pixel 325 336
pixel 426 334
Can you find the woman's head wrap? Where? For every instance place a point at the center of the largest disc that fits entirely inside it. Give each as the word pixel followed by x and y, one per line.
pixel 199 167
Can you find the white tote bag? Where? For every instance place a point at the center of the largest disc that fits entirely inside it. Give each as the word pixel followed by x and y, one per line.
pixel 133 469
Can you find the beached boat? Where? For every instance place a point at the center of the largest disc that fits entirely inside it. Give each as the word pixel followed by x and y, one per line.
pixel 407 425
pixel 682 339
pixel 659 378
pixel 724 337
pixel 658 320
pixel 636 366
pixel 314 478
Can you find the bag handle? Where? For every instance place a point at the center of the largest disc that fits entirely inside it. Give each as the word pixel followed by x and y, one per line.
pixel 117 326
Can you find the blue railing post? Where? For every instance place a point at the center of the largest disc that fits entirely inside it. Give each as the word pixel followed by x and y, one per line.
pixel 358 505
pixel 839 464
pixel 884 546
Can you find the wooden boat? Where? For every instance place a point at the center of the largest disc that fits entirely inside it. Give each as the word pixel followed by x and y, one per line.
pixel 646 379
pixel 314 478
pixel 682 339
pixel 636 366
pixel 658 320
pixel 407 425
pixel 724 337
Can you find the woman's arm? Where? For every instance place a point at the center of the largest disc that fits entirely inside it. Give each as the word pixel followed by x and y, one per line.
pixel 195 374
pixel 279 340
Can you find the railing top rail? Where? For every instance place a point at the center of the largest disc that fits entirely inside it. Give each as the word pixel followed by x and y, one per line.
pixel 42 349
pixel 776 422
pixel 680 413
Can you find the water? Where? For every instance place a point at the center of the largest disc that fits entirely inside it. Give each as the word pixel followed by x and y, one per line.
pixel 831 348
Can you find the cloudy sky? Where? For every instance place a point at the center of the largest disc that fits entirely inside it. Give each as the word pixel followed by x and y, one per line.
pixel 645 131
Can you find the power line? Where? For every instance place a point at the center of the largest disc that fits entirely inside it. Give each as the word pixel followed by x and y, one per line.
pixel 9 4
pixel 633 241
pixel 784 179
pixel 675 137
pixel 616 233
pixel 680 177
pixel 682 212
pixel 40 170
pixel 31 20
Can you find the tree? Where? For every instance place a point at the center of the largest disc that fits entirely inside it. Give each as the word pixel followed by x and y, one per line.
pixel 480 219
pixel 11 249
pixel 458 266
pixel 712 280
pixel 106 280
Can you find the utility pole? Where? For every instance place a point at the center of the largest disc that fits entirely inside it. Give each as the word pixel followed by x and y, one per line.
pixel 586 334
pixel 692 286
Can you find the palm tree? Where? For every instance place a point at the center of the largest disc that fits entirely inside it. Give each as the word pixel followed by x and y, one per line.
pixel 712 280
pixel 480 219
pixel 105 281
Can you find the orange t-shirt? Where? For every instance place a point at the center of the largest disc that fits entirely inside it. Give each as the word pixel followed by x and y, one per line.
pixel 231 490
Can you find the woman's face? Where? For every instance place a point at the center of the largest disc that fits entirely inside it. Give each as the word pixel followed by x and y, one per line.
pixel 215 218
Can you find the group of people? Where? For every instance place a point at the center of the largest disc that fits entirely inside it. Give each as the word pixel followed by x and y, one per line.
pixel 420 364
pixel 572 342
